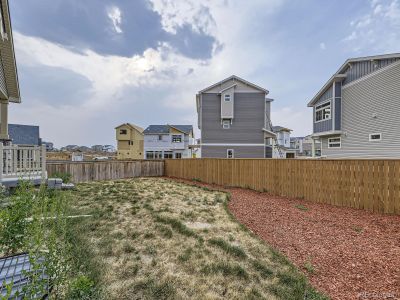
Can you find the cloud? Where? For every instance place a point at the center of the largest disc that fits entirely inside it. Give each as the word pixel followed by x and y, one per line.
pixel 378 30
pixel 322 46
pixel 157 82
pixel 114 13
pixel 124 28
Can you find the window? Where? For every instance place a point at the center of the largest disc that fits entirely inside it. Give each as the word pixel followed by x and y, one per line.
pixel 227 97
pixel 160 137
pixel 178 155
pixel 149 154
pixel 335 142
pixel 226 124
pixel 323 112
pixel 229 153
pixel 130 143
pixel 176 138
pixel 167 154
pixel 123 131
pixel 375 137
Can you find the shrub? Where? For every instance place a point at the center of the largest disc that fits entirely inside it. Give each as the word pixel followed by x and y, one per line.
pixel 66 177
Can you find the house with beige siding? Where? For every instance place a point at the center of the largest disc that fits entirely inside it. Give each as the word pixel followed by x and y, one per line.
pixel 130 144
pixel 234 119
pixel 356 112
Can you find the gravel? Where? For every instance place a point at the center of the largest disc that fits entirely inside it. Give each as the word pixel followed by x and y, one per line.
pixel 345 253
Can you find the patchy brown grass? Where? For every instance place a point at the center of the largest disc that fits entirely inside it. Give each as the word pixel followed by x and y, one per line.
pixel 160 239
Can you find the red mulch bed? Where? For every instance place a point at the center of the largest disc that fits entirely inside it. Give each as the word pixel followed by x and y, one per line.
pixel 355 253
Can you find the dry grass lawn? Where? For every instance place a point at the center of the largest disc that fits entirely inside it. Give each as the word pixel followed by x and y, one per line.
pixel 153 238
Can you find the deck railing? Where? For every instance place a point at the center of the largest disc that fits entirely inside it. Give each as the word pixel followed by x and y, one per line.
pixel 22 162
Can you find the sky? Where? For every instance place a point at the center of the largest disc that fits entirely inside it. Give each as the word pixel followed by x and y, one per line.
pixel 86 67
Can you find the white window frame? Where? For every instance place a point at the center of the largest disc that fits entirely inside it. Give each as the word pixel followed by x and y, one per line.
pixel 174 136
pixel 316 110
pixel 227 99
pixel 230 156
pixel 330 143
pixel 226 124
pixel 375 140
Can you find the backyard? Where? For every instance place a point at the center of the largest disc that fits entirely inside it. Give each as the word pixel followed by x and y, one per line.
pixel 155 238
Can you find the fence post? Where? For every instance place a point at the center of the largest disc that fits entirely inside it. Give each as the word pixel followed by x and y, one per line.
pixel 43 154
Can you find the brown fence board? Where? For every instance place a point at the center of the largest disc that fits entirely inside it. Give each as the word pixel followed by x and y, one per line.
pixel 106 170
pixel 372 185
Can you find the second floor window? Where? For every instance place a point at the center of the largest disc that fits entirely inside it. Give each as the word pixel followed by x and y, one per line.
pixel 226 124
pixel 123 131
pixel 176 138
pixel 227 97
pixel 323 112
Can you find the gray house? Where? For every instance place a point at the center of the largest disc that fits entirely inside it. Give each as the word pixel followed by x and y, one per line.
pixel 234 119
pixel 357 112
pixel 26 135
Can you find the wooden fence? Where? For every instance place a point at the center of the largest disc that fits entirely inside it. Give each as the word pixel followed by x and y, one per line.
pixel 106 170
pixel 372 185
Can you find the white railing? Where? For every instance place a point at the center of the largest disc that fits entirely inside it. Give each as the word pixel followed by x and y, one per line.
pixel 22 162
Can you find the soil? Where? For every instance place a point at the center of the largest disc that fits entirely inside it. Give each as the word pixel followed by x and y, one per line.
pixel 346 253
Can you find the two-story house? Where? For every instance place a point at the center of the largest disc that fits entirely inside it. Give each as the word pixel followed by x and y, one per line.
pixel 130 143
pixel 234 119
pixel 282 147
pixel 356 113
pixel 168 141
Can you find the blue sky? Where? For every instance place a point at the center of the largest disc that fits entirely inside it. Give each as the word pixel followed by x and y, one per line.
pixel 88 66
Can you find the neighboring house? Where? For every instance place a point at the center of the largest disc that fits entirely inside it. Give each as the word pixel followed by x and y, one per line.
pixel 303 145
pixel 16 161
pixel 49 146
pixel 129 141
pixel 108 148
pixel 25 135
pixel 356 113
pixel 168 141
pixel 97 148
pixel 234 119
pixel 282 147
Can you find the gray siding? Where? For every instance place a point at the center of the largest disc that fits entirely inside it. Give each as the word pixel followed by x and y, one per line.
pixel 377 95
pixel 362 68
pixel 337 113
pixel 239 151
pixel 322 126
pixel 247 123
pixel 325 96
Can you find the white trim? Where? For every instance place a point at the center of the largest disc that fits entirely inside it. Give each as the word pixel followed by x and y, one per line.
pixel 221 144
pixel 234 77
pixel 326 133
pixel 365 77
pixel 340 142
pixel 319 104
pixel 233 153
pixel 333 108
pixel 374 140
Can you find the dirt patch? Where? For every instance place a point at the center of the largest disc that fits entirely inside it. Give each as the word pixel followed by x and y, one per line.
pixel 198 225
pixel 347 253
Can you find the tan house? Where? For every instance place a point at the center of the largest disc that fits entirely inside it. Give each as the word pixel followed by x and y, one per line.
pixel 129 141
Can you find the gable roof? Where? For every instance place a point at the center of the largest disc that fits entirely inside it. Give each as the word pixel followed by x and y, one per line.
pixel 8 57
pixel 133 126
pixel 164 129
pixel 280 128
pixel 339 76
pixel 235 78
pixel 24 134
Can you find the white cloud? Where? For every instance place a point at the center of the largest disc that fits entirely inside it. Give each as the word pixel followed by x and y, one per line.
pixel 378 30
pixel 322 46
pixel 162 68
pixel 114 13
